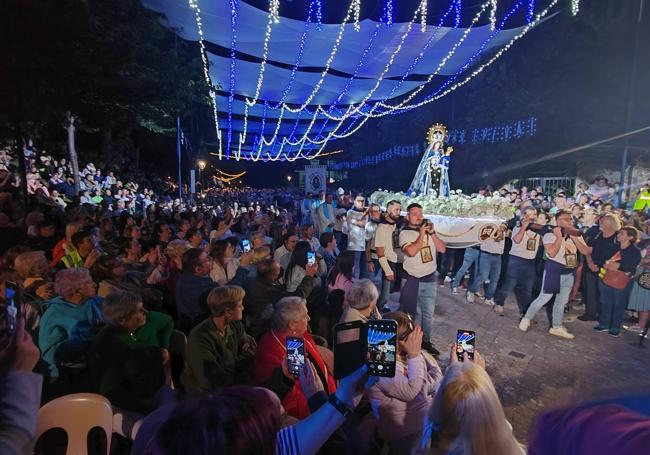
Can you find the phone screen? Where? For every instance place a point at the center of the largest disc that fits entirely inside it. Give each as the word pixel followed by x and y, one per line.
pixel 382 348
pixel 311 258
pixel 245 245
pixel 465 343
pixel 295 354
pixel 11 296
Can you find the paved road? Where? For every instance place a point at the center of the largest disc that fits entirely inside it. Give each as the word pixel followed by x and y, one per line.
pixel 533 371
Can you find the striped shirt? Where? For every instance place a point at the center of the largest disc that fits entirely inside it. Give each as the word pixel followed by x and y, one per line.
pixel 286 442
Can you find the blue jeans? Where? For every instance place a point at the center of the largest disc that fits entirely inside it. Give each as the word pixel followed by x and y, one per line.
pixel 561 299
pixel 360 266
pixel 489 266
pixel 471 255
pixel 386 286
pixel 423 300
pixel 612 306
pixel 520 277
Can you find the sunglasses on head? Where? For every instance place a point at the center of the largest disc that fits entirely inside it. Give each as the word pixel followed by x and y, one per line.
pixel 410 329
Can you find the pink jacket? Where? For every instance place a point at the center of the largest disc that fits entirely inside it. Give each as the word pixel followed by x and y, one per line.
pixel 400 404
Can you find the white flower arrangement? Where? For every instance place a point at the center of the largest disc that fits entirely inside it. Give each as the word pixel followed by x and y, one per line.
pixel 456 205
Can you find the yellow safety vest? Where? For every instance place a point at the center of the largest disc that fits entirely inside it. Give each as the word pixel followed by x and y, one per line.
pixel 643 200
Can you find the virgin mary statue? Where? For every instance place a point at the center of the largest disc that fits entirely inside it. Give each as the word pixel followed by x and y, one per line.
pixel 432 174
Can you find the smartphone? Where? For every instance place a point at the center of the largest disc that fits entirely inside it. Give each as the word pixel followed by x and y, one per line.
pixel 381 353
pixel 311 258
pixel 465 340
pixel 245 245
pixel 13 306
pixel 295 354
pixel 349 347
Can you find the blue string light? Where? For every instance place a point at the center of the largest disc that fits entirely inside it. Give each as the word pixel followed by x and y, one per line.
pixel 449 81
pixel 388 12
pixel 458 7
pixel 233 61
pixel 411 66
pixel 319 13
pixel 530 11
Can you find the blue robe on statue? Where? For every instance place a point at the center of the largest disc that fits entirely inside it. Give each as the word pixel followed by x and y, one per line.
pixel 426 180
pixel 445 160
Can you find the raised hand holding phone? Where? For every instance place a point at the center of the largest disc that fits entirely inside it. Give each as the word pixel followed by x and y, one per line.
pixel 412 346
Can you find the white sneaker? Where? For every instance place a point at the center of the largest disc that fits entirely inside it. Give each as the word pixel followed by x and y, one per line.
pixel 561 332
pixel 524 324
pixel 447 279
pixel 498 309
pixel 471 297
pixel 489 302
pixel 455 290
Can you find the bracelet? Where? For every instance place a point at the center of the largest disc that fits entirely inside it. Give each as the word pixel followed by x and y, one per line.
pixel 340 406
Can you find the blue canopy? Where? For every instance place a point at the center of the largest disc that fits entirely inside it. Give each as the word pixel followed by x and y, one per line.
pixel 371 62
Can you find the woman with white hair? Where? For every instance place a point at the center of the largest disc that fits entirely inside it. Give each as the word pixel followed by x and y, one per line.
pixel 70 321
pixel 34 269
pixel 290 319
pixel 126 360
pixel 362 302
pixel 466 417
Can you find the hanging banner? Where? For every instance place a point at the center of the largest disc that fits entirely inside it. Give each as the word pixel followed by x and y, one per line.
pixel 315 178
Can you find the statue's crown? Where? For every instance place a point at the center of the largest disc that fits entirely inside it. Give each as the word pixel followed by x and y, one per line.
pixel 437 128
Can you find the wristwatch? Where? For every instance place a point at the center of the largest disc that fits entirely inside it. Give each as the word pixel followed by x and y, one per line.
pixel 340 406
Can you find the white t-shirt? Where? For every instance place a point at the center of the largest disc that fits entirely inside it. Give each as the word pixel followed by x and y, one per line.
pixel 384 239
pixel 567 247
pixel 492 246
pixel 415 266
pixel 527 248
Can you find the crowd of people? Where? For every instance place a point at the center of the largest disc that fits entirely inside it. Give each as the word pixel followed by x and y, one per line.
pixel 113 276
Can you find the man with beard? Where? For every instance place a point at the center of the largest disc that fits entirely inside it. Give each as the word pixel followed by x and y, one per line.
pixel 388 251
pixel 418 297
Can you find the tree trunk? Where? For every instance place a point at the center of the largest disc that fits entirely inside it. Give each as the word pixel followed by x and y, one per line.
pixel 73 151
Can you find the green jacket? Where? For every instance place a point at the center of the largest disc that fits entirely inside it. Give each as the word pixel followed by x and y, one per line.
pixel 154 334
pixel 214 361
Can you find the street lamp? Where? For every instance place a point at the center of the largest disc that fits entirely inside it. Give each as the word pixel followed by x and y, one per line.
pixel 202 164
pixel 289 178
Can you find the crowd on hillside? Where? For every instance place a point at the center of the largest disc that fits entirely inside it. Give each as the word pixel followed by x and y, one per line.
pixel 114 279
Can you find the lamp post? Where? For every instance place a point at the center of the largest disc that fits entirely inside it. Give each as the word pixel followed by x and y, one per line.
pixel 201 164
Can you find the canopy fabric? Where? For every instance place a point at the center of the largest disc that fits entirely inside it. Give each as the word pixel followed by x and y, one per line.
pixel 360 69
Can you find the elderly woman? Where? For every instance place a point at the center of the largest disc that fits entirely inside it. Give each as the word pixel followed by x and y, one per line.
pixel 125 368
pixel 71 320
pixel 401 403
pixel 361 302
pixel 219 351
pixel 34 268
pixel 467 415
pixel 289 319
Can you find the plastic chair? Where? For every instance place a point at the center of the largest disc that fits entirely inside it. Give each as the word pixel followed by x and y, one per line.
pixel 77 414
pixel 177 342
